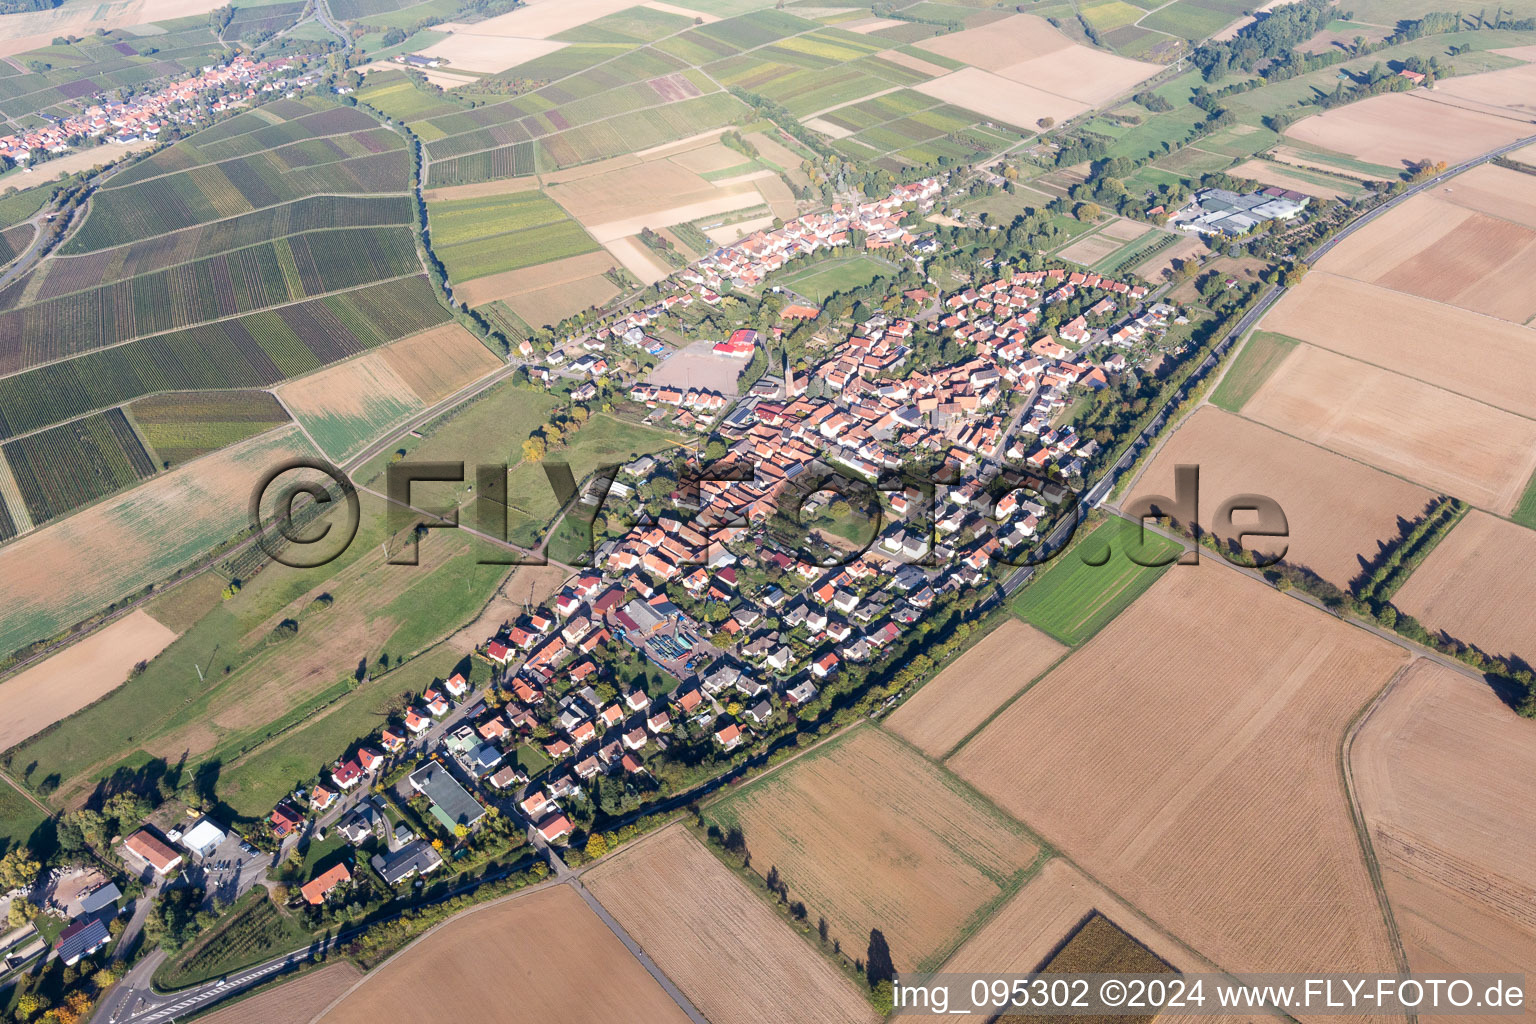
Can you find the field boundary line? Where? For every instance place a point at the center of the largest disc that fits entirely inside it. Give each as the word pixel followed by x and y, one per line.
pixel 266 149
pixel 1362 827
pixel 1012 699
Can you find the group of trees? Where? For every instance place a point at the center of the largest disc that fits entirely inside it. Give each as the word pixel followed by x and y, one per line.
pixel 1278 32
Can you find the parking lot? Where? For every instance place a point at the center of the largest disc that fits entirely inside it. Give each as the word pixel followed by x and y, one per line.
pixel 231 869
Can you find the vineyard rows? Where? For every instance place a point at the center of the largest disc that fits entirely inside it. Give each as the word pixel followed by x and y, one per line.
pixel 183 426
pixel 263 275
pixel 60 469
pixel 253 351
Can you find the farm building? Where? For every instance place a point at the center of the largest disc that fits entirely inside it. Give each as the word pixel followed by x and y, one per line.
pixel 1218 211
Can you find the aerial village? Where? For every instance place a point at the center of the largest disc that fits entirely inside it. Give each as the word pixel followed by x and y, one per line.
pixel 698 632
pixel 213 90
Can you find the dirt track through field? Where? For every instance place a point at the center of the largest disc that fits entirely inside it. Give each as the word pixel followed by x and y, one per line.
pixel 1187 757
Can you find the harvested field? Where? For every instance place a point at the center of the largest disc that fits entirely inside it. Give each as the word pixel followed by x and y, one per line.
pixel 950 706
pixel 530 959
pixel 1443 251
pixel 697 366
pixel 638 259
pixel 727 234
pixel 999 98
pixel 1188 758
pixel 1396 128
pixel 1438 767
pixel 540 19
pixel 1163 262
pixel 469 49
pixel 66 682
pixel 347 405
pixel 293 1002
pixel 1337 511
pixel 1477 586
pixel 735 959
pixel 540 293
pixel 1498 191
pixel 1508 93
pixel 1267 172
pixel 1442 440
pixel 56 576
pixel 827 128
pixel 911 63
pixel 436 363
pixel 481 189
pixel 1088 251
pixel 870 835
pixel 1026 930
pixel 1477 356
pixel 777 153
pixel 654 194
pixel 714 157
pixel 1000 44
pixel 1123 229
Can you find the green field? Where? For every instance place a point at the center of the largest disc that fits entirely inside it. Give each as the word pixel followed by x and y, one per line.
pixel 21 823
pixel 1196 19
pixel 62 468
pixel 343 434
pixel 493 234
pixel 822 280
pixel 1525 512
pixel 183 426
pixel 1072 599
pixel 1261 356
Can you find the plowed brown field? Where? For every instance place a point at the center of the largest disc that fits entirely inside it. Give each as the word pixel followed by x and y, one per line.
pixel 1397 128
pixel 1338 511
pixel 979 682
pixel 870 835
pixel 1478 356
pixel 733 957
pixel 537 958
pixel 1446 777
pixel 1477 585
pixel 1188 758
pixel 293 1002
pixel 1441 440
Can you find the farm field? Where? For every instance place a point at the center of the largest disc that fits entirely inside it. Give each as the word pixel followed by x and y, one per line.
pixel 495 234
pixel 255 930
pixel 56 688
pixel 528 959
pixel 1394 129
pixel 52 578
pixel 1437 766
pixel 183 426
pixel 1072 599
pixel 870 835
pixel 1261 355
pixel 1477 356
pixel 1320 186
pixel 22 823
pixel 1196 19
pixel 1203 727
pixel 1435 248
pixel 292 1002
pixel 1473 587
pixel 1024 932
pixel 256 350
pixel 949 707
pixel 549 292
pixel 1404 426
pixel 60 469
pixel 735 959
pixel 1337 511
pixel 350 404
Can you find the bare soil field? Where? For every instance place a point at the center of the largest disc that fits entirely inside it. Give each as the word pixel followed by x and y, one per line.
pixel 638 258
pixel 1397 128
pixel 1436 438
pixel 735 959
pixel 1187 757
pixel 1267 172
pixel 54 689
pixel 54 577
pixel 827 128
pixel 1477 586
pixel 477 51
pixel 912 63
pixel 436 363
pixel 656 5
pixel 697 366
pixel 1154 269
pixel 868 834
pixel 1337 511
pixel 71 162
pixel 543 956
pixel 775 152
pixel 999 98
pixel 1123 229
pixel 341 406
pixel 1498 191
pixel 480 189
pixel 540 19
pixel 293 1002
pixel 30 30
pixel 1026 930
pixel 1088 251
pixel 726 234
pixel 1438 767
pixel 714 157
pixel 1510 92
pixel 557 275
pixel 653 193
pixel 1000 44
pixel 980 681
pixel 777 195
pixel 1385 243
pixel 444 78
pixel 1478 356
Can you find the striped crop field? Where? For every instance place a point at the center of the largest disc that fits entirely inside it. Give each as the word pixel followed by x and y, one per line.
pixel 60 469
pixel 180 427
